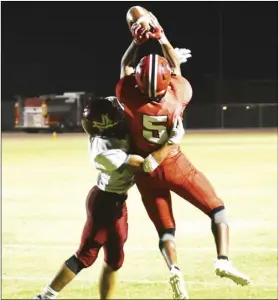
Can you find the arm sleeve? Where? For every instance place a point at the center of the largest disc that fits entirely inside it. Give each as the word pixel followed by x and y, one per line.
pixel 104 156
pixel 110 160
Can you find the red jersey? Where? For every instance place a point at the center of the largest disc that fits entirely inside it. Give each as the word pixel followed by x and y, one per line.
pixel 150 122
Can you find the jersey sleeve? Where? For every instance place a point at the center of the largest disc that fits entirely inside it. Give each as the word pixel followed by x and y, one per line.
pixel 110 160
pixel 119 87
pixel 123 88
pixel 105 156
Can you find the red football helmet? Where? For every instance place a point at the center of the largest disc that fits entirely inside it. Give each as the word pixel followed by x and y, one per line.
pixel 153 75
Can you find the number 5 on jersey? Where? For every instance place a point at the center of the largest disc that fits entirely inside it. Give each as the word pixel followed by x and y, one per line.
pixel 155 130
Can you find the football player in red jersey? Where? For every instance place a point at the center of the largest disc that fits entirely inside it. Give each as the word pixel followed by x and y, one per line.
pixel 153 94
pixel 106 225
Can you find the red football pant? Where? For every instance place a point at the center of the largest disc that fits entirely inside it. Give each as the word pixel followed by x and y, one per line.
pixel 175 174
pixel 106 227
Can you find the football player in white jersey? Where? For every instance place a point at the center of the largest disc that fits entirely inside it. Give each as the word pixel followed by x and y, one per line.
pixel 106 225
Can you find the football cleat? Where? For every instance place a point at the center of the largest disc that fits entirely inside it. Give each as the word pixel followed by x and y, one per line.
pixel 38 297
pixel 225 268
pixel 177 284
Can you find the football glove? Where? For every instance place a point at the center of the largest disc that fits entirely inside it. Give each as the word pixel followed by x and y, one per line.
pixel 183 54
pixel 177 132
pixel 139 33
pixel 157 31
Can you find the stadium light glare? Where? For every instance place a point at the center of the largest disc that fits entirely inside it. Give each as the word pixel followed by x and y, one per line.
pixel 247 107
pixel 224 107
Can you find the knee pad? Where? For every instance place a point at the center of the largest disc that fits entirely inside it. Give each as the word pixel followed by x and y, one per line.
pixel 219 216
pixel 166 235
pixel 74 264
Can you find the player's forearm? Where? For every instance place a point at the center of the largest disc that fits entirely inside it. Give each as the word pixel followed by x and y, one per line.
pixel 129 57
pixel 136 162
pixel 170 54
pixel 128 60
pixel 153 160
pixel 160 154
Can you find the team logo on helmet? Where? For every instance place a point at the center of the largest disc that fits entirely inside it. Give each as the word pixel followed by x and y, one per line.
pixel 105 123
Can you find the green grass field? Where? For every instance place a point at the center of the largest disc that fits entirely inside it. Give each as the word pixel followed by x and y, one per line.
pixel 44 185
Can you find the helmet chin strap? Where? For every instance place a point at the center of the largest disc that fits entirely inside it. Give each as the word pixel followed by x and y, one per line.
pixel 157 98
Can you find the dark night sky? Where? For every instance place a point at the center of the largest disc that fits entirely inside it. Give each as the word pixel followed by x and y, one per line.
pixel 62 46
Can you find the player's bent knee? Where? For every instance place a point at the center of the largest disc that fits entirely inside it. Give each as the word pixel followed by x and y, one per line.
pixel 166 235
pixel 115 266
pixel 74 264
pixel 219 215
pixel 116 262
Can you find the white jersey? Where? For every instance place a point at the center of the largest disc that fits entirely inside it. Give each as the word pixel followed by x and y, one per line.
pixel 109 156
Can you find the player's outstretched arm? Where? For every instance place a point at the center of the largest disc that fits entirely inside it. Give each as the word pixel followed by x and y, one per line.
pixel 129 59
pixel 138 20
pixel 176 56
pixel 168 50
pixel 153 160
pixel 109 159
pixel 170 54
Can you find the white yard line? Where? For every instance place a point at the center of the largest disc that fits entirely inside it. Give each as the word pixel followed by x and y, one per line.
pixel 47 279
pixel 141 249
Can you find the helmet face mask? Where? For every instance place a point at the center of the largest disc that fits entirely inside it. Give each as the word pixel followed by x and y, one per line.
pixel 153 76
pixel 104 117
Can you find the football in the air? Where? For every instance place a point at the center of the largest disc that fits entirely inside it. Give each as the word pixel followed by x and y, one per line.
pixel 140 15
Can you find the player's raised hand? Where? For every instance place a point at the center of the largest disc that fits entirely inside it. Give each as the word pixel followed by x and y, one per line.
pixel 177 132
pixel 139 33
pixel 156 31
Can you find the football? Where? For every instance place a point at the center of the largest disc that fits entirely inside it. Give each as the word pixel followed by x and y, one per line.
pixel 140 15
